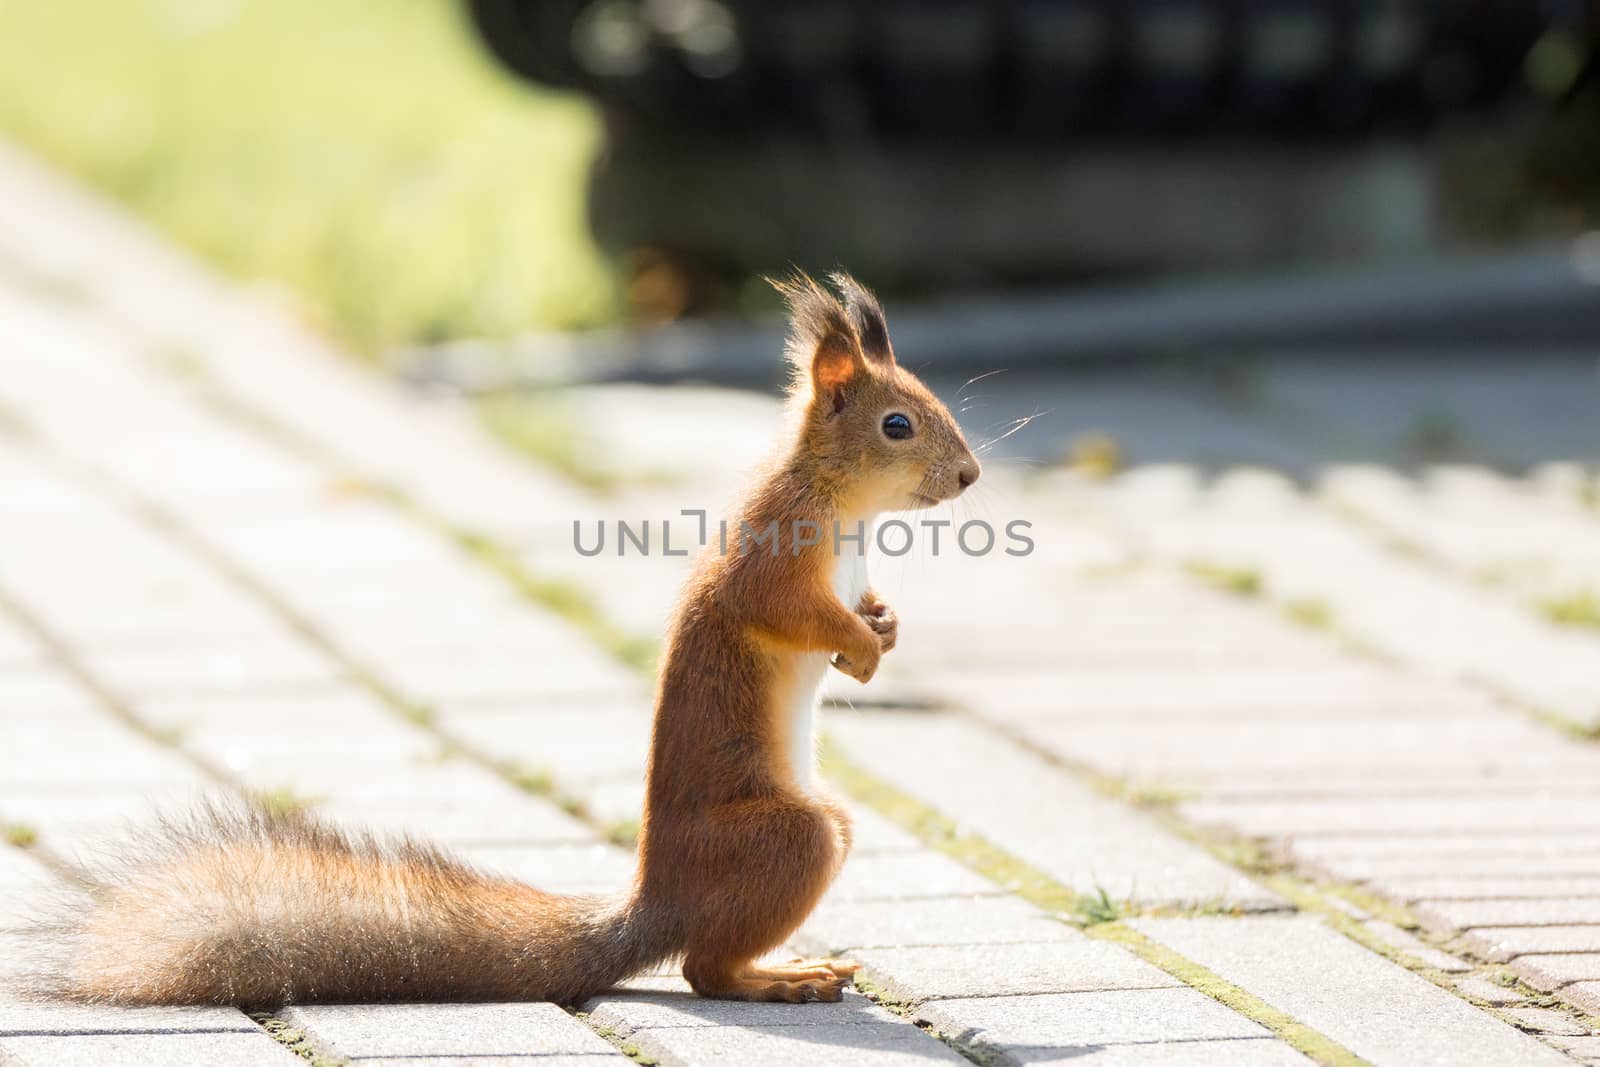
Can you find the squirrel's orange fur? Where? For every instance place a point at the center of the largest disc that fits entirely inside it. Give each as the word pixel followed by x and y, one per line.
pixel 736 845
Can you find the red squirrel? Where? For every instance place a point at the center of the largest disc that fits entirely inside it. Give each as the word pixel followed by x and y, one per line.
pixel 738 840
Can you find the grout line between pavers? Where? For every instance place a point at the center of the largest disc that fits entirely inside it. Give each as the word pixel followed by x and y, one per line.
pixel 298 1040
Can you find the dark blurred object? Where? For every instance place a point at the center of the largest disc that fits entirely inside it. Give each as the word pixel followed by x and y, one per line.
pixel 935 140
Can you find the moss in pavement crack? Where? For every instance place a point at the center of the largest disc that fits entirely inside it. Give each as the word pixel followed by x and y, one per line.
pixel 620 1043
pixel 296 1040
pixel 1239 581
pixel 907 1010
pixel 1579 609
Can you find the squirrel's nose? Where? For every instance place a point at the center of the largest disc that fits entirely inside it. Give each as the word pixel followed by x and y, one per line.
pixel 968 473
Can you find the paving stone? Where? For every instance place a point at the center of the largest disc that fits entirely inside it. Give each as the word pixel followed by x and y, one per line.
pixel 883 1044
pixel 1392 603
pixel 27 1016
pixel 1441 960
pixel 1379 1011
pixel 589 868
pixel 907 876
pixel 1308 818
pixel 24 888
pixel 1500 943
pixel 1516 888
pixel 1033 810
pixel 64 815
pixel 20 955
pixel 233 1049
pixel 1469 845
pixel 1240 691
pixel 840 925
pixel 1507 777
pixel 1586 1049
pixel 20 871
pixel 1583 995
pixel 575 745
pixel 610 802
pixel 1161 1026
pixel 625 1013
pixel 678 1028
pixel 1547 972
pixel 874 833
pixel 96 753
pixel 345 704
pixel 1416 948
pixel 1389 870
pixel 369 1031
pixel 532 687
pixel 943 972
pixel 1488 992
pixel 1465 914
pixel 1547 1021
pixel 461 824
pixel 44 696
pixel 455 803
pixel 1386 743
pixel 508 627
pixel 280 665
pixel 559 1059
pixel 315 758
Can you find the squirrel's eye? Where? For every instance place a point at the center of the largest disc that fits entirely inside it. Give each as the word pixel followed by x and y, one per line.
pixel 896 426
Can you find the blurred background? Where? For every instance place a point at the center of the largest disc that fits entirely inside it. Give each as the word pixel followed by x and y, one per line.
pixel 1218 197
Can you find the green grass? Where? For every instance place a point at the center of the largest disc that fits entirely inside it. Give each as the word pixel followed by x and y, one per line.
pixel 1578 609
pixel 296 1040
pixel 366 155
pixel 1240 581
pixel 19 835
pixel 1309 612
pixel 281 801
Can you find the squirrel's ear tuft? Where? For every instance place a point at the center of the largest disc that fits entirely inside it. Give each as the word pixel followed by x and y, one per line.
pixel 867 317
pixel 823 349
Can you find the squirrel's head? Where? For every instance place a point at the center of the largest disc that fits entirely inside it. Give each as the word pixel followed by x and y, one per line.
pixel 871 424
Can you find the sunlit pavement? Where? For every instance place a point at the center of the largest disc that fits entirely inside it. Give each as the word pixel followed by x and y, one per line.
pixel 1239 764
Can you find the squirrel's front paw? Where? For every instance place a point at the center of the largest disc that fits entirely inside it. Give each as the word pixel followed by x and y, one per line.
pixel 861 665
pixel 886 625
pixel 881 619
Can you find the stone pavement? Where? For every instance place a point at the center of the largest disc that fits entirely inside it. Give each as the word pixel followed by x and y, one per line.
pixel 1227 771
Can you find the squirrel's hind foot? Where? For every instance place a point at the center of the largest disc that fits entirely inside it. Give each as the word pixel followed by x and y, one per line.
pixel 800 982
pixel 826 990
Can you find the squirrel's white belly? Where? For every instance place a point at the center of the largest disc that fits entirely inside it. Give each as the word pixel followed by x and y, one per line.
pixel 849 583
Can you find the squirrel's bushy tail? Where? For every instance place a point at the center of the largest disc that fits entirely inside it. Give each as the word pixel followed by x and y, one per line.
pixel 259 909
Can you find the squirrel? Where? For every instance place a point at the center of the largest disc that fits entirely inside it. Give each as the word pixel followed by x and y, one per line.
pixel 738 840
